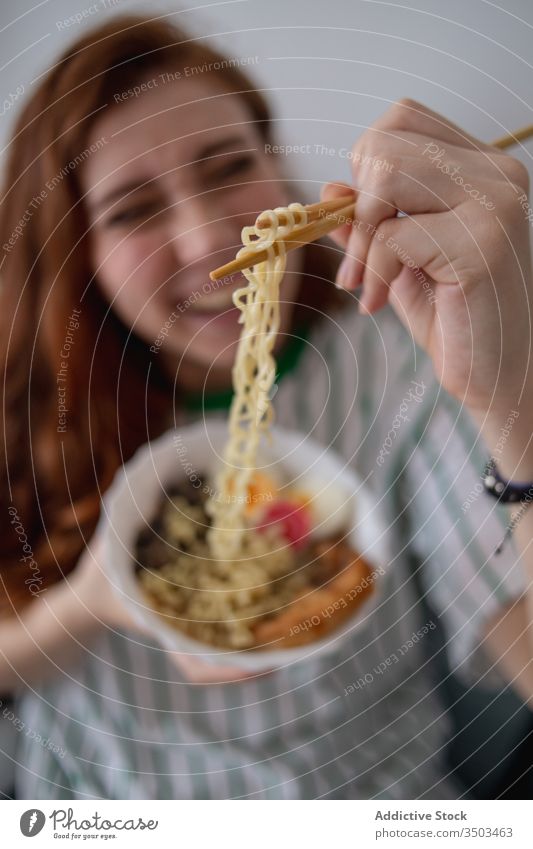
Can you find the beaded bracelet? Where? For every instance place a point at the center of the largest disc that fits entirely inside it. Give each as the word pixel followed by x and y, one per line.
pixel 507 492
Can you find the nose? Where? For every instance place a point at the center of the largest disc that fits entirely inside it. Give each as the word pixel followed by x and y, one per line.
pixel 201 231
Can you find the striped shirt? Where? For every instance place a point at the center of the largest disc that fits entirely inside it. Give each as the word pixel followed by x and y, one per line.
pixel 365 722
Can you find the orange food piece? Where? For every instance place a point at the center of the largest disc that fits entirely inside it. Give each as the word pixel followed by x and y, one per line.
pixel 317 612
pixel 262 490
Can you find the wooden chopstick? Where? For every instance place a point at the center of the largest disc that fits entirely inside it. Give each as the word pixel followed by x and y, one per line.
pixel 512 138
pixel 323 217
pixel 299 236
pixel 314 211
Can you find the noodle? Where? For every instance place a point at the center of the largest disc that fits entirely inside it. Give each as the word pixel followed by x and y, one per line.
pixel 202 566
pixel 254 373
pixel 218 602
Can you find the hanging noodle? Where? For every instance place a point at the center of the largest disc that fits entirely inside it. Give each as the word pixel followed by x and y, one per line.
pixel 254 373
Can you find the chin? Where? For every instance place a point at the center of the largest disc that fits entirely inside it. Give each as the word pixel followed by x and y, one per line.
pixel 211 354
pixel 216 357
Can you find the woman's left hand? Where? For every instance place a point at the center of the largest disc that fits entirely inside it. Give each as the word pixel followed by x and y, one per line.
pixel 457 267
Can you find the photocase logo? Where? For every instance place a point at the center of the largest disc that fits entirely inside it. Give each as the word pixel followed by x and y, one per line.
pixel 32 822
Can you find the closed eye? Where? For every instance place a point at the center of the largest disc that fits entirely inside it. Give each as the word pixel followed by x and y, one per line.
pixel 232 168
pixel 131 214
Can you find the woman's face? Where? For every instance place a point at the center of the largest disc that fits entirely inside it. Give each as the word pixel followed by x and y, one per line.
pixel 182 171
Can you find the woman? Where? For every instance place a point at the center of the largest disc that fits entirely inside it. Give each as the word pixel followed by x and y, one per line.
pixel 131 178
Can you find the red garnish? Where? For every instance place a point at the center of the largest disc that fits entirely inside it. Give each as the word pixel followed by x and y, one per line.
pixel 294 521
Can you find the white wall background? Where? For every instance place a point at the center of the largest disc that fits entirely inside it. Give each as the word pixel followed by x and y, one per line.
pixel 331 67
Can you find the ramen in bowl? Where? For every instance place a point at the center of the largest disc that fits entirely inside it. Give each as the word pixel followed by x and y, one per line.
pixel 324 602
pixel 243 554
pixel 294 581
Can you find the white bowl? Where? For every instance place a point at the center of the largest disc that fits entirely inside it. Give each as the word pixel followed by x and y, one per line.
pixel 133 498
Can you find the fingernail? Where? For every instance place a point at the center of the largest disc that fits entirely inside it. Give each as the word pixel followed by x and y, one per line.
pixel 355 274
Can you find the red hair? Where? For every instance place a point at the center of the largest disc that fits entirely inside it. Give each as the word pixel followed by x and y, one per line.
pixel 55 469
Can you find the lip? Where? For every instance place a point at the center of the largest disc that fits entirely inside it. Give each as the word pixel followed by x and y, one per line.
pixel 207 296
pixel 204 305
pixel 228 315
pixel 215 302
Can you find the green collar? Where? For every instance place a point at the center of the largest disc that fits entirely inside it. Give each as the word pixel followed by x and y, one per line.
pixel 287 360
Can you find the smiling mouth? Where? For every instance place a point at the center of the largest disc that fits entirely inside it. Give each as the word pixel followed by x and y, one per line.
pixel 213 302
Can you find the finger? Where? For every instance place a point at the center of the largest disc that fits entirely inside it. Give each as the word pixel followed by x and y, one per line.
pixel 410 115
pixel 414 186
pixel 200 672
pixel 330 191
pixel 462 165
pixel 430 246
pixel 410 292
pixel 458 163
pixel 382 267
pixel 440 172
